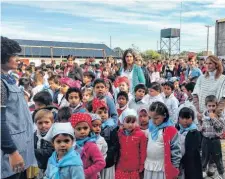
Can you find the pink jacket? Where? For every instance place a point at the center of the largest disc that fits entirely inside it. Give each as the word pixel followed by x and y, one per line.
pixel 93 161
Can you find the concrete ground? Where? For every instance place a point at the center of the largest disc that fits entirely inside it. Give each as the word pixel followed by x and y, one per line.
pixel 223 152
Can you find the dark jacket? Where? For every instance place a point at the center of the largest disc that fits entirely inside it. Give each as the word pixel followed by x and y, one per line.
pixel 55 96
pixel 44 153
pixel 191 161
pixel 147 77
pixel 111 137
pixel 76 73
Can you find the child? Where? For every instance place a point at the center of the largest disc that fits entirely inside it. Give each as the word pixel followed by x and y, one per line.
pixel 64 114
pixel 170 100
pixel 190 139
pixel 65 162
pixel 163 150
pixel 39 82
pixel 100 93
pixel 88 78
pixel 132 147
pixel 212 129
pixel 43 149
pixel 55 87
pixel 154 94
pixel 43 100
pixel 93 161
pixel 74 97
pixel 140 91
pixel 189 102
pixel 109 133
pixel 181 96
pixel 143 120
pixel 122 102
pixel 122 84
pixel 96 128
pixel 66 83
pixel 87 95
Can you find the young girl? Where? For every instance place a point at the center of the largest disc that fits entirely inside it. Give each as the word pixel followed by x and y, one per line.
pixel 93 161
pixel 154 94
pixel 96 128
pixel 109 132
pixel 163 150
pixel 65 162
pixel 190 139
pixel 143 120
pixel 133 144
pixel 181 96
pixel 87 95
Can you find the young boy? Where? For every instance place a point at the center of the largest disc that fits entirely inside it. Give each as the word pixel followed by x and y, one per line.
pixel 100 92
pixel 122 101
pixel 64 114
pixel 170 100
pixel 43 100
pixel 55 87
pixel 74 97
pixel 212 129
pixel 43 149
pixel 88 78
pixel 137 102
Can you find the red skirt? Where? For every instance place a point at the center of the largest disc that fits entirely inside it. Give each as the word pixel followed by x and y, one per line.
pixel 128 175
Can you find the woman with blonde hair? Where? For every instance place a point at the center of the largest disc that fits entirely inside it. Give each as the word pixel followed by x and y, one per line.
pixel 211 83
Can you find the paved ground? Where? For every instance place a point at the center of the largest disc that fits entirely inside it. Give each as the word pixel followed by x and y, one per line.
pixel 223 151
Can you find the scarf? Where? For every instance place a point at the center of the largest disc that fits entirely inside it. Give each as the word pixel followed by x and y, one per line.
pixel 71 158
pixel 80 142
pixel 127 133
pixel 191 127
pixel 155 129
pixel 108 123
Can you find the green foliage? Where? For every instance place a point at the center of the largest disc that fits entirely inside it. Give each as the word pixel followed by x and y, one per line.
pixel 150 54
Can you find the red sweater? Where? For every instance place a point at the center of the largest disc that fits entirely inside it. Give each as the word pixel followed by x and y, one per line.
pixel 170 171
pixel 133 149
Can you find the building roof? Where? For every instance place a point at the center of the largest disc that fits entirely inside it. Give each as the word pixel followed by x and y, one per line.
pixel 36 48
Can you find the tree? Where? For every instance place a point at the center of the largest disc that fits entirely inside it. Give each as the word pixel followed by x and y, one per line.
pixel 150 54
pixel 118 51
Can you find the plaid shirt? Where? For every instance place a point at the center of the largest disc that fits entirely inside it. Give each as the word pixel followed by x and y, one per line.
pixel 212 127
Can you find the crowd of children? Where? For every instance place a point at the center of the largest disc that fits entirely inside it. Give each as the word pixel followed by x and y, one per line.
pixel 97 128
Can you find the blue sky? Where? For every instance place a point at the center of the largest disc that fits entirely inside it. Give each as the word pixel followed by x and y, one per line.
pixel 126 21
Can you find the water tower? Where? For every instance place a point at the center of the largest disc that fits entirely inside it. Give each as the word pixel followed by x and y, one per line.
pixel 170 41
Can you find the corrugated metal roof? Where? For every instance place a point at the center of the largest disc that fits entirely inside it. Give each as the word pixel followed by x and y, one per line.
pixel 45 50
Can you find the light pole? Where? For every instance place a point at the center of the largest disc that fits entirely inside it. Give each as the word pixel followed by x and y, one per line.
pixel 208 26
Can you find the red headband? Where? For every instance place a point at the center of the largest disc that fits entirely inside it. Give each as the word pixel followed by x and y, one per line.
pixel 70 82
pixel 80 117
pixel 121 80
pixel 96 104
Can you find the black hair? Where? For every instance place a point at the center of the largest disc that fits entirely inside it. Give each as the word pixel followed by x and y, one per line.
pixel 97 66
pixel 140 86
pixel 210 98
pixel 160 109
pixel 24 81
pixel 73 90
pixel 99 80
pixel 69 56
pixel 170 84
pixel 190 86
pixel 72 138
pixel 64 114
pixel 89 74
pixel 186 112
pixel 131 51
pixel 130 119
pixel 9 48
pixel 89 106
pixel 43 97
pixel 54 78
pixel 156 86
pixel 123 93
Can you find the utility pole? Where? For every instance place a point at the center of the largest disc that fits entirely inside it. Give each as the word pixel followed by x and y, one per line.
pixel 208 26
